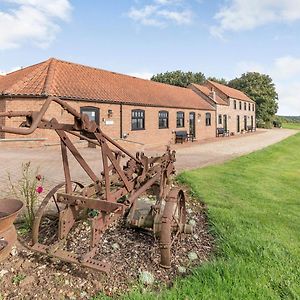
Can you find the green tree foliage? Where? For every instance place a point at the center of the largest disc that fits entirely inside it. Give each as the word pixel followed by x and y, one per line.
pixel 261 89
pixel 179 78
pixel 218 80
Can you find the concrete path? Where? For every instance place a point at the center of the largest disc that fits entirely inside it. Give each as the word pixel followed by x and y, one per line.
pixel 225 149
pixel 189 155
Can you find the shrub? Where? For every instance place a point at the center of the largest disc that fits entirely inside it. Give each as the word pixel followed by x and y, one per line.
pixel 27 189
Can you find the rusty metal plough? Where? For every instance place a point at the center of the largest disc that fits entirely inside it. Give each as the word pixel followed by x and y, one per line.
pixel 113 194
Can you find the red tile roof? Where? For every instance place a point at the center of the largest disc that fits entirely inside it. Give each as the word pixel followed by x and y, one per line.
pixel 206 91
pixel 230 92
pixel 73 81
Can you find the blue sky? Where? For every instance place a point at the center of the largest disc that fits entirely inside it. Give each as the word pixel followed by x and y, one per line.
pixel 221 38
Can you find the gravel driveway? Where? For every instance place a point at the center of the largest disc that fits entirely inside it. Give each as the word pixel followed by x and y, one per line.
pixel 189 155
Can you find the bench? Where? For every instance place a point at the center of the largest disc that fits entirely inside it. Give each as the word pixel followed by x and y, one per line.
pixel 182 136
pixel 250 129
pixel 222 132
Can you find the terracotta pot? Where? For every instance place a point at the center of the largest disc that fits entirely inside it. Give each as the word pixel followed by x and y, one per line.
pixel 9 209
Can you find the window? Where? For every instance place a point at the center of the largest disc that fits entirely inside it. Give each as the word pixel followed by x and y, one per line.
pixel 180 119
pixel 249 107
pixel 240 105
pixel 93 114
pixel 245 106
pixel 163 119
pixel 208 119
pixel 220 119
pixel 137 119
pixel 234 104
pixel 253 107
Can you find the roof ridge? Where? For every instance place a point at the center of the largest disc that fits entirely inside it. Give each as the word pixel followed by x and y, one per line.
pixel 49 76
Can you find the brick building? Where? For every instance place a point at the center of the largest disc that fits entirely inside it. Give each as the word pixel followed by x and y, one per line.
pixel 235 111
pixel 126 107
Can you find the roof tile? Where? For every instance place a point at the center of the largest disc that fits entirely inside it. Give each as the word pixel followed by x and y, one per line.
pixel 206 91
pixel 230 92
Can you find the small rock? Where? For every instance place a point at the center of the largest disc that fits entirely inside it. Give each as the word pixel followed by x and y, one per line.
pixel 196 236
pixel 181 269
pixel 192 222
pixel 14 251
pixel 146 278
pixel 189 211
pixel 115 246
pixel 192 256
pixel 3 272
pixel 83 294
pixel 26 281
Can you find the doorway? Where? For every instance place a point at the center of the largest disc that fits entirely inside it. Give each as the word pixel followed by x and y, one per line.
pixel 192 124
pixel 225 122
pixel 245 123
pixel 238 127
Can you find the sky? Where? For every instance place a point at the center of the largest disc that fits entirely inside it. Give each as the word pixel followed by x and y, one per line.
pixel 221 38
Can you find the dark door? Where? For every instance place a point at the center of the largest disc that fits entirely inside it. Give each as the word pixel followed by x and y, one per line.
pixel 192 124
pixel 245 123
pixel 238 128
pixel 252 122
pixel 225 122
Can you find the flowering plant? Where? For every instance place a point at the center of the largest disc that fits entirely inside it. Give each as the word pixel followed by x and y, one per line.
pixel 28 188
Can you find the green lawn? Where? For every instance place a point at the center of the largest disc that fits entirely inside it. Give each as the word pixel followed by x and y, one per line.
pixel 254 210
pixel 291 125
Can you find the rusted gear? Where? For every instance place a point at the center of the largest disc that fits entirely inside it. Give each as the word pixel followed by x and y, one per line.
pixel 56 209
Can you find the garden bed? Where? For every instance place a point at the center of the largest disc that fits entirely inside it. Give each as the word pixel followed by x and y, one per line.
pixel 133 254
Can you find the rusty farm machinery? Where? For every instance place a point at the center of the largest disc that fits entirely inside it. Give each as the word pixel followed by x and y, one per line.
pixel 114 193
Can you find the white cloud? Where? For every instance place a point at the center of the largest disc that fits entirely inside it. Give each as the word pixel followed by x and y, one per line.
pixel 161 12
pixel 240 15
pixel 31 21
pixel 287 67
pixel 285 72
pixel 143 75
pixel 184 17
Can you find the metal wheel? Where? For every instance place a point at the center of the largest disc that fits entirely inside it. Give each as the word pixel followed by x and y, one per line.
pixel 173 220
pixel 49 210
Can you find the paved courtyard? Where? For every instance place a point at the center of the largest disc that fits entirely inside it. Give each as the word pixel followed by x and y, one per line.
pixel 189 155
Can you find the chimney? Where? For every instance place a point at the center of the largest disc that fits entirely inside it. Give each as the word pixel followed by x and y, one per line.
pixel 213 94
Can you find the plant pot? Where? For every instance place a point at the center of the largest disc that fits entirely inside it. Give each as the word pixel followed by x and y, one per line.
pixel 9 209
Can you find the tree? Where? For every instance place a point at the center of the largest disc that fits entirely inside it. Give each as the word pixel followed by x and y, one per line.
pixel 261 89
pixel 179 78
pixel 218 80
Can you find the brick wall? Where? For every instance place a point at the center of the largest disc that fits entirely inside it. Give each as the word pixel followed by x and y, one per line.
pixel 2 120
pixel 111 125
pixel 232 115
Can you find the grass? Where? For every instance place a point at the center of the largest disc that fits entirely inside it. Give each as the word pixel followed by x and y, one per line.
pixel 254 212
pixel 291 125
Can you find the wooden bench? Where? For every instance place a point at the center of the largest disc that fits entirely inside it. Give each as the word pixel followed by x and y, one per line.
pixel 222 132
pixel 182 136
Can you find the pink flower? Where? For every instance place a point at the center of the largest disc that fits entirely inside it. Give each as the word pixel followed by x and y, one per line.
pixel 39 189
pixel 38 177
